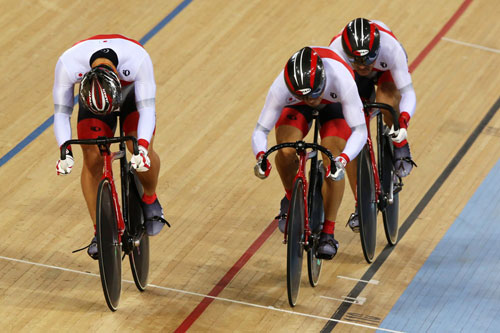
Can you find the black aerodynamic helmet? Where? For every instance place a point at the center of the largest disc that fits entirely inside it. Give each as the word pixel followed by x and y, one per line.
pixel 361 41
pixel 100 90
pixel 305 74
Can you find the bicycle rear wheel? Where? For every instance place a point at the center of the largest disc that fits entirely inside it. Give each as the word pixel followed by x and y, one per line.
pixel 110 249
pixel 139 256
pixel 391 212
pixel 316 218
pixel 367 205
pixel 295 248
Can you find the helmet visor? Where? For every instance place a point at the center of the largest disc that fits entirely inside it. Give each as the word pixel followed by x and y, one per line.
pixel 363 60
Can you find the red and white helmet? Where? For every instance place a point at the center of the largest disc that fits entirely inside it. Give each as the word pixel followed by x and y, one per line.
pixel 101 90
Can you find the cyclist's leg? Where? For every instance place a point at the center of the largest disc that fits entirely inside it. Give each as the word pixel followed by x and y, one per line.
pixel 91 126
pixel 292 126
pixel 152 208
pixel 388 93
pixel 334 134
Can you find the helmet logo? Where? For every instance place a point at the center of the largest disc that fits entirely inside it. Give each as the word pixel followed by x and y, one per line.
pixel 361 53
pixel 98 97
pixel 304 91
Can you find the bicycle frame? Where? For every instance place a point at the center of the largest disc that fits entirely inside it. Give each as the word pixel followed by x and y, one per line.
pixel 302 175
pixel 108 174
pixel 300 147
pixel 108 157
pixel 377 169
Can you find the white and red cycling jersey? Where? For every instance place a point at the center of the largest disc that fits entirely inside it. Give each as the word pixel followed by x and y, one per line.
pixel 134 66
pixel 340 88
pixel 391 57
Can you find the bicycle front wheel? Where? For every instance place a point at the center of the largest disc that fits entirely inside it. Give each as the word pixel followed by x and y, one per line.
pixel 316 218
pixel 110 249
pixel 139 256
pixel 391 212
pixel 367 205
pixel 295 247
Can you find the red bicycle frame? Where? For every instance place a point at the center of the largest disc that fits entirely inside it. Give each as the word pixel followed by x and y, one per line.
pixel 108 174
pixel 372 156
pixel 302 175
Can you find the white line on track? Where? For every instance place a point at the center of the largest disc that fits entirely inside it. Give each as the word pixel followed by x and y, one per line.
pixel 471 45
pixel 354 279
pixel 347 299
pixel 272 308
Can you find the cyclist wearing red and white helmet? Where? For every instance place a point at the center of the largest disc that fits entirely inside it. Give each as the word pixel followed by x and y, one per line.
pixel 379 60
pixel 116 77
pixel 313 78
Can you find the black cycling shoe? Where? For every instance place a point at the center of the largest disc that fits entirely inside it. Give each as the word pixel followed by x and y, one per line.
pixel 92 250
pixel 328 247
pixel 153 217
pixel 285 203
pixel 353 221
pixel 403 164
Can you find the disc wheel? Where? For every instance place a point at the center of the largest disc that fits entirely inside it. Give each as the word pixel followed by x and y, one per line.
pixel 367 205
pixel 295 248
pixel 109 247
pixel 316 218
pixel 139 256
pixel 391 212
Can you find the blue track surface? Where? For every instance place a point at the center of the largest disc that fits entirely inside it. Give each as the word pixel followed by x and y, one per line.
pixel 458 287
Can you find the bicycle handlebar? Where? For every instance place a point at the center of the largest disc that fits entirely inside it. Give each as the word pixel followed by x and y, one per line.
pixel 299 146
pixel 386 107
pixel 99 141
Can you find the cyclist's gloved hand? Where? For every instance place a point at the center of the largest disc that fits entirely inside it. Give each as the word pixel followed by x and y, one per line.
pixel 340 163
pixel 257 168
pixel 63 167
pixel 400 135
pixel 141 161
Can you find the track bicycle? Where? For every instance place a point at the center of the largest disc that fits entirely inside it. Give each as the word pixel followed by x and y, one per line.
pixel 118 232
pixel 378 186
pixel 306 213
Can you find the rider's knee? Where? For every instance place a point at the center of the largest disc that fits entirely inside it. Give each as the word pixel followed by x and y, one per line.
pixel 92 159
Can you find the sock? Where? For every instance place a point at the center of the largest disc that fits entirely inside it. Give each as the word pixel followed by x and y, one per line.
pixel 401 144
pixel 288 194
pixel 149 199
pixel 329 227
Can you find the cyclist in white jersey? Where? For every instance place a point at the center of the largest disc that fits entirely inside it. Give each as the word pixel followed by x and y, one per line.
pixel 116 77
pixel 379 60
pixel 313 78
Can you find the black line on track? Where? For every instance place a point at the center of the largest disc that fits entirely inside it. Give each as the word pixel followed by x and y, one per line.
pixel 377 264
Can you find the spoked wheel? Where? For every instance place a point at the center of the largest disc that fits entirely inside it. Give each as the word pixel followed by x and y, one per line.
pixel 295 248
pixel 367 205
pixel 391 212
pixel 316 218
pixel 110 249
pixel 139 256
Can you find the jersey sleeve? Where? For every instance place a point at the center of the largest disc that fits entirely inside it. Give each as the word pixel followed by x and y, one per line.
pixel 145 91
pixel 269 115
pixel 62 94
pixel 352 109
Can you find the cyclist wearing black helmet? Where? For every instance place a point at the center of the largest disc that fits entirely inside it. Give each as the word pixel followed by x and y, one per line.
pixel 379 60
pixel 115 75
pixel 313 78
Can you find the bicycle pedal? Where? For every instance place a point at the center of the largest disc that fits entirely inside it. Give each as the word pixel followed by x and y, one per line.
pixel 165 221
pixel 324 256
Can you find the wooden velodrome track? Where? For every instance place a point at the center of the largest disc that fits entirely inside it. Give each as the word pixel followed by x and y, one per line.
pixel 214 62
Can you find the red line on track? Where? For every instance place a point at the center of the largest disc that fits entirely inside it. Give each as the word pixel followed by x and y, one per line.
pixel 227 278
pixel 440 34
pixel 196 313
